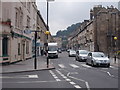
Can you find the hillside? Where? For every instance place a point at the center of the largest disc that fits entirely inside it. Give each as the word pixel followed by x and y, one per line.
pixel 68 31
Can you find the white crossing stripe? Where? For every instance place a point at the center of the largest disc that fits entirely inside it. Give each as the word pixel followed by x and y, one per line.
pixel 61 66
pixel 84 65
pixel 58 80
pixel 77 86
pixel 72 83
pixel 67 79
pixel 33 76
pixel 74 66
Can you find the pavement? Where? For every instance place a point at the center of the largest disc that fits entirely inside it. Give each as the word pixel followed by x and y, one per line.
pixel 27 65
pixel 115 63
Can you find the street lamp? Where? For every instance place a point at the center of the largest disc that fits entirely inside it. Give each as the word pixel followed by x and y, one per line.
pixel 47 32
pixel 115 38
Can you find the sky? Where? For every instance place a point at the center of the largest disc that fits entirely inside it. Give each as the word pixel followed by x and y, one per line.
pixel 64 13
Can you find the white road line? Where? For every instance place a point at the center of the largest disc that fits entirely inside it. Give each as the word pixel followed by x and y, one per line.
pixel 84 65
pixel 22 76
pixel 72 83
pixel 113 67
pixel 67 79
pixel 58 80
pixel 74 66
pixel 51 72
pixel 61 66
pixel 64 77
pixel 55 77
pixel 77 86
pixel 33 76
pixel 109 74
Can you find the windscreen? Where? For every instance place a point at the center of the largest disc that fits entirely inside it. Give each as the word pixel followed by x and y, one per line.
pixel 52 48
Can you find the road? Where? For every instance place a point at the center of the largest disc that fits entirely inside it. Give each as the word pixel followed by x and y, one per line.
pixel 68 74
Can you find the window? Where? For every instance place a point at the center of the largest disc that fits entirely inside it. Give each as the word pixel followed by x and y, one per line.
pixel 28 5
pixel 28 21
pixel 27 47
pixel 17 18
pixel 5 46
pixel 18 48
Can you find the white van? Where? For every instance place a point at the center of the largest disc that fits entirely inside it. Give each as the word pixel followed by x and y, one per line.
pixel 52 50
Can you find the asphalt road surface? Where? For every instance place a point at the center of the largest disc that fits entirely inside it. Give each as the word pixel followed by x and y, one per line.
pixel 68 74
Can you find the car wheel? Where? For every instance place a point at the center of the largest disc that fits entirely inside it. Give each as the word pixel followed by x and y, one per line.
pixel 86 63
pixel 108 65
pixel 92 64
pixel 76 58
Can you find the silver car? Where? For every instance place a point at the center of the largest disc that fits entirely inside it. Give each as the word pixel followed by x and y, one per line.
pixel 97 59
pixel 81 55
pixel 72 53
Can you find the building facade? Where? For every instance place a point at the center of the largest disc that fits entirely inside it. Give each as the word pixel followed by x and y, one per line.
pixel 97 34
pixel 16 21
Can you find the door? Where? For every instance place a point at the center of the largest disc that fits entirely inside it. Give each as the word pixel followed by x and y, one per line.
pixel 23 50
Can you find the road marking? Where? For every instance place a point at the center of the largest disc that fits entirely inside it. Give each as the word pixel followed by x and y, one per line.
pixel 64 77
pixel 77 86
pixel 72 83
pixel 87 85
pixel 61 66
pixel 33 76
pixel 84 65
pixel 68 80
pixel 109 74
pixel 58 80
pixel 55 77
pixel 22 76
pixel 74 66
pixel 113 67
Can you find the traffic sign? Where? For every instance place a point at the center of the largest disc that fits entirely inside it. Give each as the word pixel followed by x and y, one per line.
pixel 27 31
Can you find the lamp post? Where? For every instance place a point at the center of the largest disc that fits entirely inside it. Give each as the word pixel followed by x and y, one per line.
pixel 115 38
pixel 47 32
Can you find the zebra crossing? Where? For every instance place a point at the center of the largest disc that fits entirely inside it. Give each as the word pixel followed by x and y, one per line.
pixel 73 66
pixel 80 66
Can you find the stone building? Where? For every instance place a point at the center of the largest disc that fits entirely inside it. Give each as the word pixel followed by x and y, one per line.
pixel 106 27
pixel 97 34
pixel 15 18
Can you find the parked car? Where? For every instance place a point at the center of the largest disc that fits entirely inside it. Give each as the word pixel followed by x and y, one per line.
pixel 81 55
pixel 97 59
pixel 72 53
pixel 59 51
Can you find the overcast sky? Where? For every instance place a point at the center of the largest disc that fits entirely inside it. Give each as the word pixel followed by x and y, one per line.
pixel 63 14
